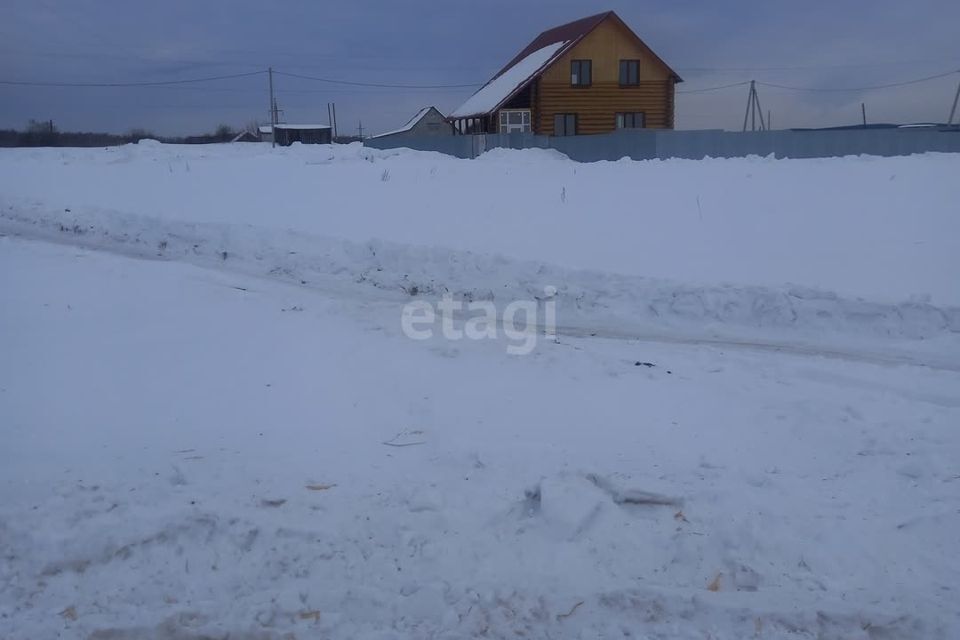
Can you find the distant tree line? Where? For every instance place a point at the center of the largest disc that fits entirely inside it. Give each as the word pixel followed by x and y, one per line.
pixel 45 134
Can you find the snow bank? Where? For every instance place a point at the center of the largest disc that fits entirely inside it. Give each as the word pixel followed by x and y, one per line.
pixel 881 229
pixel 588 301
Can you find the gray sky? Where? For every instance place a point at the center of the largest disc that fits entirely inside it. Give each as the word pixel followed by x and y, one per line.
pixel 843 43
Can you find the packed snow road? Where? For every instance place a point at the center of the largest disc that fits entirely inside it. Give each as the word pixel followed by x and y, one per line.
pixel 192 453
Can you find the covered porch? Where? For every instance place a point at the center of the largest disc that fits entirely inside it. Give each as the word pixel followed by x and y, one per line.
pixel 514 116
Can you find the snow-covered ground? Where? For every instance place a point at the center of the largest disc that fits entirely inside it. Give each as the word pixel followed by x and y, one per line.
pixel 211 422
pixel 884 228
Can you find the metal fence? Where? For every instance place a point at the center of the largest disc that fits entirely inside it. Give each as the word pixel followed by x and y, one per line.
pixel 648 144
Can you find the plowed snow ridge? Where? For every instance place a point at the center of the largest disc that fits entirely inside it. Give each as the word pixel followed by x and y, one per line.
pixel 586 299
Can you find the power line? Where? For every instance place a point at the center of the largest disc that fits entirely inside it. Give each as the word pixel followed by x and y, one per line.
pixel 374 63
pixel 26 83
pixel 161 83
pixel 874 87
pixel 827 89
pixel 723 86
pixel 130 84
pixel 377 84
pixel 816 67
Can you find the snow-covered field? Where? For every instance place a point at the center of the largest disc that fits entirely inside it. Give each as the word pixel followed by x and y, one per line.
pixel 212 424
pixel 885 228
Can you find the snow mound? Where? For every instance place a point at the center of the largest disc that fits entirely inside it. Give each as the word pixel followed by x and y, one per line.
pixel 594 302
pixel 880 229
pixel 529 157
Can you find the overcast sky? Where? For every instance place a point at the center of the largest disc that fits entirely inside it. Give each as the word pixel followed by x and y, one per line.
pixel 839 44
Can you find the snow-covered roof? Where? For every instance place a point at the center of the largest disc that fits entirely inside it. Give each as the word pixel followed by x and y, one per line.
pixel 411 123
pixel 302 126
pixel 500 88
pixel 243 134
pixel 265 128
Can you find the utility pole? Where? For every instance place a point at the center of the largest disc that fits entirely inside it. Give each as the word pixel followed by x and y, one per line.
pixel 360 129
pixel 953 109
pixel 332 119
pixel 753 109
pixel 863 110
pixel 749 104
pixel 273 113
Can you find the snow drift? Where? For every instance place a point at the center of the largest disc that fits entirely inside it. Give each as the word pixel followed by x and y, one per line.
pixel 881 229
pixel 588 301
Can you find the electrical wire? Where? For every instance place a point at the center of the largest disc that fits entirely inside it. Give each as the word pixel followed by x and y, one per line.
pixel 130 84
pixel 377 84
pixel 822 67
pixel 723 86
pixel 872 88
pixel 161 83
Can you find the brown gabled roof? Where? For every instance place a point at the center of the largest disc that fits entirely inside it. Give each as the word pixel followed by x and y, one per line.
pixel 571 33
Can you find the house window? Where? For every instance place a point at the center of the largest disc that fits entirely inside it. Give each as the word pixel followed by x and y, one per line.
pixel 629 73
pixel 581 73
pixel 515 121
pixel 565 124
pixel 631 120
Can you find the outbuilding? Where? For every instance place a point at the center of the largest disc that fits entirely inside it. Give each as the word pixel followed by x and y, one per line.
pixel 287 134
pixel 427 122
pixel 245 136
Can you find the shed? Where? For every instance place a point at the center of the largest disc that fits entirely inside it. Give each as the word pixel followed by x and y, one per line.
pixel 287 134
pixel 427 122
pixel 245 136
